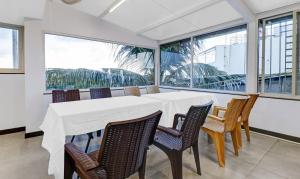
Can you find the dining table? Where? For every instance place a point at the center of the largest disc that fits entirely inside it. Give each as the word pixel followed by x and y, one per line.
pixel 81 117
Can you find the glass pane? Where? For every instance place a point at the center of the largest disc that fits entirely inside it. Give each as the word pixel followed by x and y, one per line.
pixel 298 57
pixel 220 60
pixel 260 34
pixel 175 64
pixel 278 55
pixel 9 48
pixel 81 64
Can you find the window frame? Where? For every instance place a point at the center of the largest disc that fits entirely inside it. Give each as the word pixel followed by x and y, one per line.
pixel 192 38
pixel 21 68
pixel 96 40
pixel 295 35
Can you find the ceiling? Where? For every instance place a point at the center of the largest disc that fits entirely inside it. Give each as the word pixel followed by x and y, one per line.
pixel 155 19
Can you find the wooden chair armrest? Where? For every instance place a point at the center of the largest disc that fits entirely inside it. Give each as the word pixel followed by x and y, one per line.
pixel 80 158
pixel 215 117
pixel 173 132
pixel 176 117
pixel 217 109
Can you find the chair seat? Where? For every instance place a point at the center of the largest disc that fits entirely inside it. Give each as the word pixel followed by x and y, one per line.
pixel 167 140
pixel 214 125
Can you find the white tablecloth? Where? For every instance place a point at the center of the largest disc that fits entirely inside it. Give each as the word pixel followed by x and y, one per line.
pixel 80 117
pixel 179 102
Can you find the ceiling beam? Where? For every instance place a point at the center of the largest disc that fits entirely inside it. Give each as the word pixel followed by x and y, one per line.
pixel 242 9
pixel 178 15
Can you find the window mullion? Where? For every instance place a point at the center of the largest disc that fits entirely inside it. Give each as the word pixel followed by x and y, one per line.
pixel 192 62
pixel 294 62
pixel 263 57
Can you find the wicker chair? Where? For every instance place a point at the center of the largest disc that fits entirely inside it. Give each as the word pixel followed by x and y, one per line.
pixel 174 141
pixel 73 95
pixel 58 96
pixel 244 117
pixel 122 152
pixel 132 91
pixel 216 128
pixel 97 93
pixel 152 89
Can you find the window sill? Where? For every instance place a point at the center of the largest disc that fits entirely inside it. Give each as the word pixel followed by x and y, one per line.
pixel 205 90
pixel 11 71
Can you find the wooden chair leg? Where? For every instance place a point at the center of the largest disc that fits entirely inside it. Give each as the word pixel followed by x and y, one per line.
pixel 247 130
pixel 219 142
pixel 239 135
pixel 69 167
pixel 196 156
pixel 176 164
pixel 142 169
pixel 234 137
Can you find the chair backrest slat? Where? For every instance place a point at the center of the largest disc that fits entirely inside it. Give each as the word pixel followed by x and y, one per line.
pixel 195 118
pixel 132 91
pixel 248 107
pixel 233 112
pixel 124 144
pixel 100 93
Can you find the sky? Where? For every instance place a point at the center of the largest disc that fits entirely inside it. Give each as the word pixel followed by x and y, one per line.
pixel 6 54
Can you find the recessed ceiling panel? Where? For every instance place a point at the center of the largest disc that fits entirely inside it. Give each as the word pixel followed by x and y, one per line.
pixel 171 29
pixel 137 14
pixel 213 15
pixel 92 7
pixel 265 5
pixel 176 6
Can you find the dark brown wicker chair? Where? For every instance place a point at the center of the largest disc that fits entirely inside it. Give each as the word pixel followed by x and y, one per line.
pixel 73 95
pixel 122 152
pixel 174 141
pixel 58 96
pixel 100 93
pixel 97 93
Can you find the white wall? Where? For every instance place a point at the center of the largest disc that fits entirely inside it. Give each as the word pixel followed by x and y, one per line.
pixel 61 20
pixel 12 97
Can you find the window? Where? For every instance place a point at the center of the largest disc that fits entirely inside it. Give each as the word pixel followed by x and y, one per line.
pixel 276 55
pixel 220 60
pixel 10 49
pixel 175 64
pixel 73 63
pixel 215 61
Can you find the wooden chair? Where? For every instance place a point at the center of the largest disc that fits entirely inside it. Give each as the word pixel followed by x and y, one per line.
pixel 244 121
pixel 174 141
pixel 216 128
pixel 58 96
pixel 132 91
pixel 122 152
pixel 152 89
pixel 97 93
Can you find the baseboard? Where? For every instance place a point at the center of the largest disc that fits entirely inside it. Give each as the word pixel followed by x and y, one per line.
pixel 33 134
pixel 13 130
pixel 275 134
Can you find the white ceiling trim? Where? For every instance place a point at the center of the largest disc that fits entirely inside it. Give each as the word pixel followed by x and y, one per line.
pixel 178 15
pixel 242 9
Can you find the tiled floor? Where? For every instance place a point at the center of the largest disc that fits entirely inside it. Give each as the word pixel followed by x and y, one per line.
pixel 263 158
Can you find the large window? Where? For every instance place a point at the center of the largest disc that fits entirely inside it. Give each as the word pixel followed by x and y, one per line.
pixel 277 68
pixel 175 64
pixel 215 61
pixel 11 49
pixel 81 64
pixel 220 60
